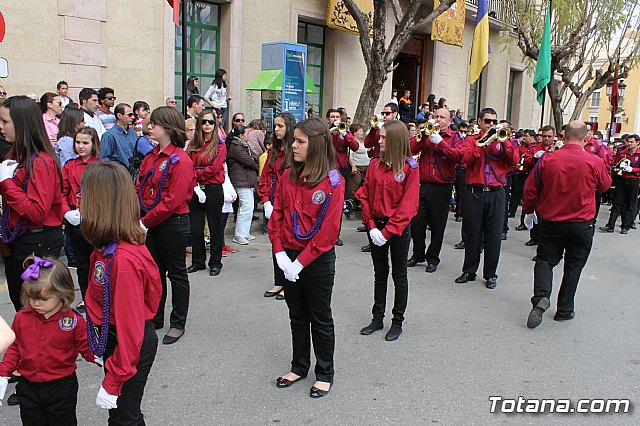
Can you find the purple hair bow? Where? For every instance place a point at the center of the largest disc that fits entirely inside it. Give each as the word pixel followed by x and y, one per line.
pixel 33 271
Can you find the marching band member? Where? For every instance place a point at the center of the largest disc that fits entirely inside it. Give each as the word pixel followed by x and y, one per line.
pixel 627 179
pixel 559 196
pixel 275 166
pixel 485 202
pixel 303 229
pixel 438 161
pixel 165 187
pixel 389 200
pixel 597 147
pixel 389 113
pixel 31 189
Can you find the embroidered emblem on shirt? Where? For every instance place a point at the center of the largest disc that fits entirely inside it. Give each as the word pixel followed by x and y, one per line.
pixel 399 176
pixel 67 323
pixel 499 147
pixel 318 197
pixel 593 148
pixel 98 272
pixel 163 165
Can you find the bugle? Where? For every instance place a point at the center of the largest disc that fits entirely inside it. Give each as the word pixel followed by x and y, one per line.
pixel 499 133
pixel 431 127
pixel 618 169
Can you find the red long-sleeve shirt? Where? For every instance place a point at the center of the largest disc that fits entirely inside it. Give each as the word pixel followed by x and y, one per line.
pixel 46 349
pixel 371 142
pixel 600 149
pixel 530 159
pixel 71 175
pixel 213 173
pixel 563 186
pixel 135 295
pixel 266 178
pixel 177 190
pixel 487 166
pixel 342 146
pixel 389 195
pixel 438 162
pixel 42 204
pixel 635 163
pixel 307 201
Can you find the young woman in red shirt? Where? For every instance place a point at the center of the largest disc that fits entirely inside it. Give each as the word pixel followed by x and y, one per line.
pixel 303 230
pixel 389 201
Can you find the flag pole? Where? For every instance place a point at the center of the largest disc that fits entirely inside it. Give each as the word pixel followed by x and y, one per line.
pixel 544 101
pixel 185 54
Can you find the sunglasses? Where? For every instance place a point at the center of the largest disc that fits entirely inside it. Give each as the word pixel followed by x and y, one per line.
pixel 3 93
pixel 239 120
pixel 111 98
pixel 385 113
pixel 130 114
pixel 493 121
pixel 209 121
pixel 464 131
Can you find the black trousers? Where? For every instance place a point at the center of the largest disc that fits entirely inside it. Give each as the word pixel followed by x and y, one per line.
pixel 625 202
pixel 47 242
pixel 517 191
pixel 48 403
pixel 574 240
pixel 461 188
pixel 508 193
pixel 212 209
pixel 399 248
pixel 309 302
pixel 128 411
pixel 278 274
pixel 82 250
pixel 483 220
pixel 167 243
pixel 433 209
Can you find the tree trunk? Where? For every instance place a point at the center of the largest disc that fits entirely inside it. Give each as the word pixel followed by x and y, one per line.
pixel 556 103
pixel 580 104
pixel 376 77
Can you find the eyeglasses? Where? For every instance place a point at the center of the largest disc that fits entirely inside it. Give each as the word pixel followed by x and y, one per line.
pixel 111 98
pixel 209 121
pixel 130 114
pixel 239 120
pixel 3 93
pixel 385 113
pixel 173 102
pixel 493 121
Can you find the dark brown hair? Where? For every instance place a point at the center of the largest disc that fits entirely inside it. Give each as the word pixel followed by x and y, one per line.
pixel 172 121
pixel 285 145
pixel 197 144
pixel 95 140
pixel 355 126
pixel 53 281
pixel 321 157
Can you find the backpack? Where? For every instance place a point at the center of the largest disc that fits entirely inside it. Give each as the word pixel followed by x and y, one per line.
pixel 135 162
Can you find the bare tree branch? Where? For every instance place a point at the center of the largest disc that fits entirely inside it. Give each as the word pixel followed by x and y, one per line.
pixel 362 21
pixel 397 10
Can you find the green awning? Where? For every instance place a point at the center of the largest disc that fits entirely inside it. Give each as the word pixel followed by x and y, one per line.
pixel 272 80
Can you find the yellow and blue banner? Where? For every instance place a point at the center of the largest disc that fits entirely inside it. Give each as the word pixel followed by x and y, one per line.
pixel 480 47
pixel 338 15
pixel 449 26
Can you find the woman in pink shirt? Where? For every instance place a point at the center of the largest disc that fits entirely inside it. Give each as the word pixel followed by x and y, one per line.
pixel 51 107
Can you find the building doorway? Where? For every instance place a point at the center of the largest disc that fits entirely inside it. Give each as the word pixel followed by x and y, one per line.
pixel 406 76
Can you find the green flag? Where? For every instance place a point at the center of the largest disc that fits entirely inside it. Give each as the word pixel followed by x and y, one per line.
pixel 542 76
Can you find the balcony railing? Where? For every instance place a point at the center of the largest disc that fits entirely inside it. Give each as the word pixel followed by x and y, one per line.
pixel 500 10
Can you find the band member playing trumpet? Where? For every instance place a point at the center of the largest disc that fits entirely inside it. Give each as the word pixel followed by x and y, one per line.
pixel 487 158
pixel 389 113
pixel 627 178
pixel 438 160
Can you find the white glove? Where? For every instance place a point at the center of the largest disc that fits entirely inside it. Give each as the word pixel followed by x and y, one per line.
pixel 530 220
pixel 98 360
pixel 105 400
pixel 435 138
pixel 144 228
pixel 292 270
pixel 7 168
pixel 380 124
pixel 202 197
pixel 627 169
pixel 4 381
pixel 283 260
pixel 268 209
pixel 538 154
pixel 73 217
pixel 377 238
pixel 343 133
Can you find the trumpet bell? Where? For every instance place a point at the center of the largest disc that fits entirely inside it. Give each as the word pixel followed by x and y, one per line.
pixel 374 121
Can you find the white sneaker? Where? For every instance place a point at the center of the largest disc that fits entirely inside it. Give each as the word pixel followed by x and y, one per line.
pixel 250 237
pixel 240 240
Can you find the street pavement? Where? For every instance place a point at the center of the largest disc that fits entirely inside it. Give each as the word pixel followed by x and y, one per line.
pixel 461 344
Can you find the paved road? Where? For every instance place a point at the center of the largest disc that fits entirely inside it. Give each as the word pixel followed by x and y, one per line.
pixel 461 344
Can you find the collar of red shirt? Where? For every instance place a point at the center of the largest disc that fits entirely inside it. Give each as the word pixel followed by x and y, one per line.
pixel 167 151
pixel 109 249
pixel 55 317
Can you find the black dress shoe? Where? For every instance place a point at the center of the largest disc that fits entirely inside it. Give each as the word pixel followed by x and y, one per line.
pixel 413 262
pixel 339 242
pixel 214 272
pixel 394 332
pixel 314 392
pixel 272 293
pixel 460 245
pixel 169 340
pixel 606 228
pixel 280 296
pixel 560 316
pixel 531 243
pixel 361 229
pixel 366 249
pixel 13 399
pixel 633 226
pixel 371 328
pixel 521 228
pixel 535 258
pixel 193 268
pixel 491 282
pixel 285 383
pixel 504 236
pixel 624 231
pixel 431 267
pixel 465 277
pixel 13 379
pixel 535 316
pixel 459 219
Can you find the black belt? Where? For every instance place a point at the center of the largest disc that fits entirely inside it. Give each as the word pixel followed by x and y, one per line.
pixel 209 185
pixel 484 188
pixel 39 230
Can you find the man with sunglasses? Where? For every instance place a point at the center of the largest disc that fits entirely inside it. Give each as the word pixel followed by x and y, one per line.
pixel 107 101
pixel 118 142
pixel 438 161
pixel 484 202
pixel 371 141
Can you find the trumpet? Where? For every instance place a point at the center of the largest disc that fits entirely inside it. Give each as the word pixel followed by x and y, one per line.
pixel 618 169
pixel 556 146
pixel 421 134
pixel 341 127
pixel 474 131
pixel 499 133
pixel 432 127
pixel 374 121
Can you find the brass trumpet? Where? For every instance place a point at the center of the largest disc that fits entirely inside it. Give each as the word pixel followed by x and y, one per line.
pixel 341 127
pixel 374 121
pixel 499 133
pixel 474 131
pixel 431 127
pixel 618 169
pixel 556 146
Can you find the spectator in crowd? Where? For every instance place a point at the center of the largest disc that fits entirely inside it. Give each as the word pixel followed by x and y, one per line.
pixel 237 120
pixel 442 103
pixel 171 101
pixel 3 93
pixel 51 108
pixel 195 105
pixel 313 112
pixel 221 132
pixel 457 119
pixel 118 142
pixel 190 126
pixel 218 94
pixel 192 86
pixel 71 120
pixel 394 96
pixel 140 110
pixel 255 136
pixel 89 103
pixel 359 161
pixel 406 108
pixel 431 100
pixel 63 91
pixel 424 110
pixel 107 101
